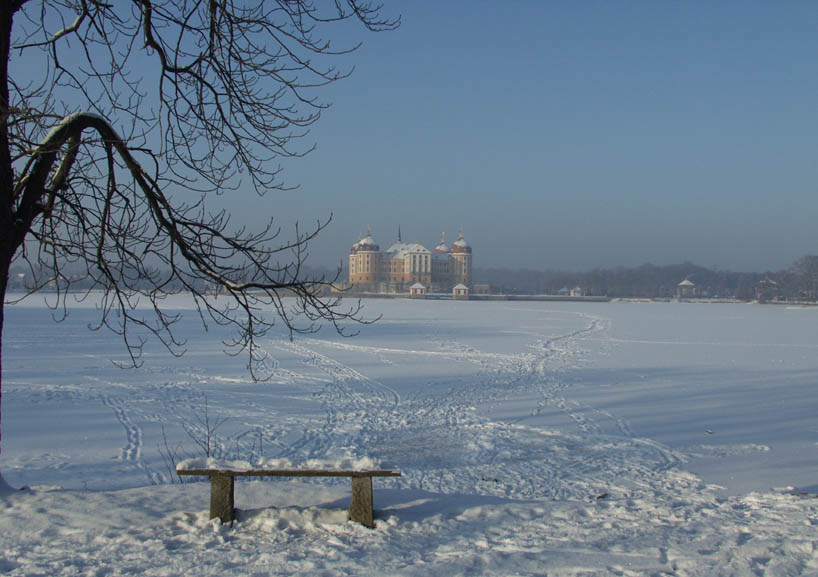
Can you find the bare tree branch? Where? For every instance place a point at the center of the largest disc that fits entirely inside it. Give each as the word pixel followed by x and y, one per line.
pixel 111 111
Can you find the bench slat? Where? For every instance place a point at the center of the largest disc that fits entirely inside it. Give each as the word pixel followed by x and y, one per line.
pixel 290 473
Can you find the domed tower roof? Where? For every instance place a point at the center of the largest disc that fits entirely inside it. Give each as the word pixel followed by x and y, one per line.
pixel 442 248
pixel 366 244
pixel 460 245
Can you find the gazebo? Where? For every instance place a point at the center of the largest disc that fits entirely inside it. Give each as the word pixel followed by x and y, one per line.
pixel 417 291
pixel 460 292
pixel 685 290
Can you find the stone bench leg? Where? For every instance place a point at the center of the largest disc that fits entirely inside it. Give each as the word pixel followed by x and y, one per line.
pixel 221 497
pixel 360 508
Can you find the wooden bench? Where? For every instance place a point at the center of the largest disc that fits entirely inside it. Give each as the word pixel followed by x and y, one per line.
pixel 222 483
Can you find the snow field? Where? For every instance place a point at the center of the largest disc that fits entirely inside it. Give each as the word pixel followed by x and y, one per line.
pixel 534 439
pixel 164 531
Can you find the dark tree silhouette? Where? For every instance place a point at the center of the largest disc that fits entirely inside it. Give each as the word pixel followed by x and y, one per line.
pixel 111 111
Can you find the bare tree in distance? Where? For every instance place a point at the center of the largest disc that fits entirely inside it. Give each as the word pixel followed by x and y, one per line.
pixel 111 112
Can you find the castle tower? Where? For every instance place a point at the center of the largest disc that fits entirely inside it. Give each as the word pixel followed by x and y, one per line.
pixel 442 266
pixel 365 263
pixel 461 261
pixel 442 248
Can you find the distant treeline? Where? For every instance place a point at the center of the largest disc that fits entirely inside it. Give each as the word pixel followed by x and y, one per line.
pixel 25 279
pixel 798 283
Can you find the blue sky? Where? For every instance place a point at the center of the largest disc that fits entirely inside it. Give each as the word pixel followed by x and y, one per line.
pixel 575 134
pixel 570 135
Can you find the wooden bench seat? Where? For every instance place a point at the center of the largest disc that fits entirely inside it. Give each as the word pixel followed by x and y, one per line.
pixel 222 482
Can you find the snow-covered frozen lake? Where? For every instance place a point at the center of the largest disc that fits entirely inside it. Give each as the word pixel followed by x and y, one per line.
pixel 534 438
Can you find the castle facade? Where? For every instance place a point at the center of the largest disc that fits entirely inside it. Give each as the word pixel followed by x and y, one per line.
pixel 406 264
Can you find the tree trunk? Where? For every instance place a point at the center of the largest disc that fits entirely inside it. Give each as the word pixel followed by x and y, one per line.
pixel 5 265
pixel 7 220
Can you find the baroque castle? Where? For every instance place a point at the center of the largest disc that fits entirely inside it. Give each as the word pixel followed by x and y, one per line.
pixel 405 265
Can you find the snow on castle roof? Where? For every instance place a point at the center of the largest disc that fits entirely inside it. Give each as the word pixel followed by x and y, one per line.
pixel 460 245
pixel 442 247
pixel 401 249
pixel 366 244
